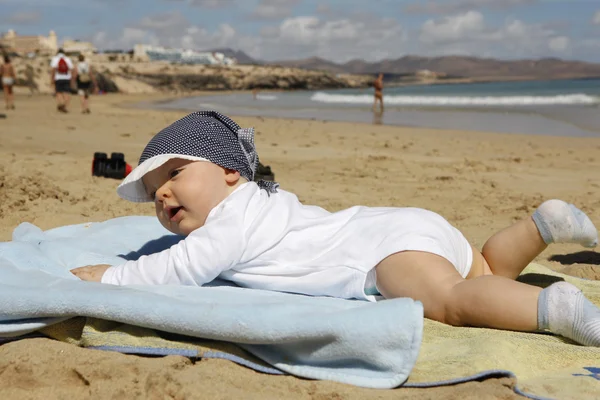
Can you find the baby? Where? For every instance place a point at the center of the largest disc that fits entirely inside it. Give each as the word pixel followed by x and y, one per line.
pixel 199 174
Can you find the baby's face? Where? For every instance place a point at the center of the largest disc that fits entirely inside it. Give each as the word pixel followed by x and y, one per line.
pixel 186 191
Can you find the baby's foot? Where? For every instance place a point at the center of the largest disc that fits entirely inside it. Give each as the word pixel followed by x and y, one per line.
pixel 559 222
pixel 564 310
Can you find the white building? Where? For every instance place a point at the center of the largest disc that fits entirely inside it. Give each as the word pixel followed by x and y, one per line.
pixel 182 56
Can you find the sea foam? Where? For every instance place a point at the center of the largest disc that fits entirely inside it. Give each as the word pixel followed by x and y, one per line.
pixel 579 98
pixel 266 97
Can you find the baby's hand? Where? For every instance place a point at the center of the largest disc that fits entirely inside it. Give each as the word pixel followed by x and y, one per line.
pixel 92 273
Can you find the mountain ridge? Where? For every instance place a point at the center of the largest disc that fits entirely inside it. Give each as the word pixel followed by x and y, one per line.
pixel 455 66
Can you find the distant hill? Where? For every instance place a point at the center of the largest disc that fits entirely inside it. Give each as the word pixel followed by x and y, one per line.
pixel 316 63
pixel 451 66
pixel 458 66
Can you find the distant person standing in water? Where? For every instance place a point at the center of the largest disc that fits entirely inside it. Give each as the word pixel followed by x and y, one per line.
pixel 7 71
pixel 378 85
pixel 86 82
pixel 60 78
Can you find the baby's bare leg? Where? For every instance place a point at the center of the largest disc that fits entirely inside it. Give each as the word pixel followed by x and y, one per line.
pixel 509 251
pixel 485 301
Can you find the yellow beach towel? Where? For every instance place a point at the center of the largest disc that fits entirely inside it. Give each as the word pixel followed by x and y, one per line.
pixel 545 365
pixel 99 334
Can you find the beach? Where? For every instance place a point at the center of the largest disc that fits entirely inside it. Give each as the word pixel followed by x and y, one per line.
pixel 479 181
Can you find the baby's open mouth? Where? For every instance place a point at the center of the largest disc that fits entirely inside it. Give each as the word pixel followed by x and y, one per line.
pixel 174 211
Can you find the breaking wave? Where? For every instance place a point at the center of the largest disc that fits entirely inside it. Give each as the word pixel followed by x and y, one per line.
pixel 565 99
pixel 266 97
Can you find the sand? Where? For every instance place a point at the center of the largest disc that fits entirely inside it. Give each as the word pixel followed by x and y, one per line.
pixel 481 182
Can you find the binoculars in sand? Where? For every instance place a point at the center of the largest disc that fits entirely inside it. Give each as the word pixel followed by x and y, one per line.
pixel 114 167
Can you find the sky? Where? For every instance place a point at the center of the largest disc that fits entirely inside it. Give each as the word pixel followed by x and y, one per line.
pixel 337 30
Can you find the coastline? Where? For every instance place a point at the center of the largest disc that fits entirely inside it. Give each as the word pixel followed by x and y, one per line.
pixel 532 120
pixel 479 181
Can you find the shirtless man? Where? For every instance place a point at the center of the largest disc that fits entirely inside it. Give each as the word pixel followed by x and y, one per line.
pixel 7 71
pixel 378 85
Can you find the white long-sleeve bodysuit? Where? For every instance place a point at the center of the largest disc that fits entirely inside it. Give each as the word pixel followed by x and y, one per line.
pixel 274 242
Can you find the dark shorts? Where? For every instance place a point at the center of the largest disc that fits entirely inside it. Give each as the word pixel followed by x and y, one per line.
pixel 84 85
pixel 62 86
pixel 84 88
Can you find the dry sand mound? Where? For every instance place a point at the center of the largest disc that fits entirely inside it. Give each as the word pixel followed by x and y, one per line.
pixel 19 191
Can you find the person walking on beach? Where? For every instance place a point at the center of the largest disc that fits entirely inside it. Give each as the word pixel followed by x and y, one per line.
pixel 86 82
pixel 378 85
pixel 60 78
pixel 7 71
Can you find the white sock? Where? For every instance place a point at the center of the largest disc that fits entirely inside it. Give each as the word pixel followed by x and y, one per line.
pixel 564 310
pixel 559 222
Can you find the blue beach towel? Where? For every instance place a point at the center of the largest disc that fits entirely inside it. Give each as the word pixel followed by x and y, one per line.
pixel 365 344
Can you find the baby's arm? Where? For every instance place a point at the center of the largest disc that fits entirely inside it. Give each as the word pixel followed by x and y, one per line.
pixel 196 260
pixel 92 273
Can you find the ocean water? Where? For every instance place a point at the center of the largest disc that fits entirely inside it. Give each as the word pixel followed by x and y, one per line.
pixel 559 107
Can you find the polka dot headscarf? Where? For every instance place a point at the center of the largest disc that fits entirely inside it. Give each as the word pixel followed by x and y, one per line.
pixel 202 135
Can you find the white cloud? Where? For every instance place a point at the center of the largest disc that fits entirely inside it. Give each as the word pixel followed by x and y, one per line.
pixel 212 3
pixel 307 30
pixel 300 30
pixel 469 34
pixel 134 35
pixel 274 9
pixel 165 23
pixel 454 28
pixel 300 37
pixel 338 39
pixel 596 18
pixel 202 3
pixel 173 30
pixel 356 36
pixel 453 6
pixel 124 40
